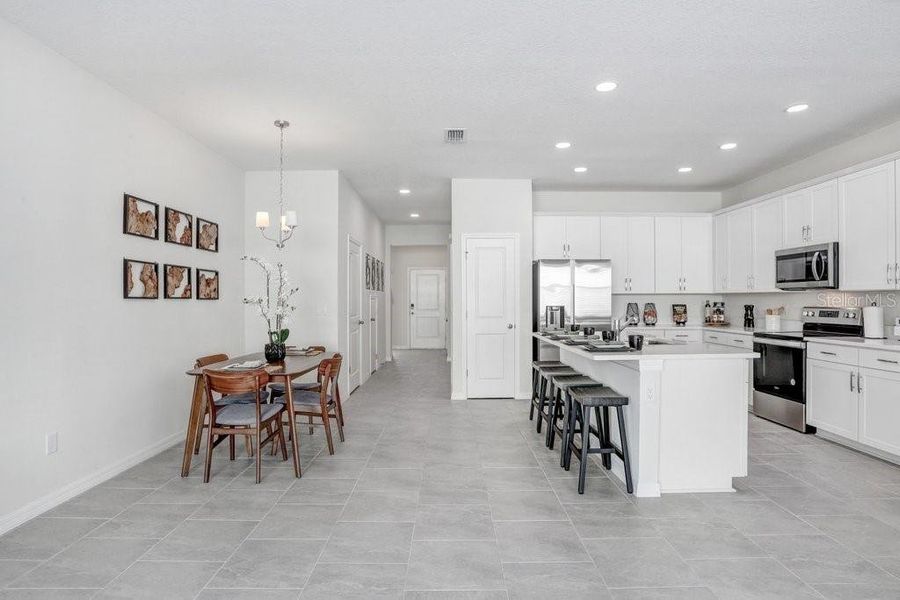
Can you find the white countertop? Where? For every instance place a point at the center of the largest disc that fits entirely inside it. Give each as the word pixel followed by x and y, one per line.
pixel 646 329
pixel 892 345
pixel 658 352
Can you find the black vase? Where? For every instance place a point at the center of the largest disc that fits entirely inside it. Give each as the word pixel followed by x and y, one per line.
pixel 275 352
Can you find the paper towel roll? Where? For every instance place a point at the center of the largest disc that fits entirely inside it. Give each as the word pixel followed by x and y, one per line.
pixel 873 321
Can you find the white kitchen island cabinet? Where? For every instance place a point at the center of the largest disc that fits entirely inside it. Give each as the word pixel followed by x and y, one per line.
pixel 686 418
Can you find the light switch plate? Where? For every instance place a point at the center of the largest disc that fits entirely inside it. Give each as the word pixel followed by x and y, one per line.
pixel 52 443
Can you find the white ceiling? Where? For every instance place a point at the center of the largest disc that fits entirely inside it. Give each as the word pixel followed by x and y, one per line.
pixel 369 85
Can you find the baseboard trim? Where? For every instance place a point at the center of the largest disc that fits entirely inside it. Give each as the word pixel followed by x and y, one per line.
pixel 37 507
pixel 400 348
pixel 458 397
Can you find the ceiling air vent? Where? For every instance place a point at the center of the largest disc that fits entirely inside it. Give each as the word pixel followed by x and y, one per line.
pixel 454 136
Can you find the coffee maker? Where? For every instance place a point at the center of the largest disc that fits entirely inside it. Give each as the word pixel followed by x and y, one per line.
pixel 749 318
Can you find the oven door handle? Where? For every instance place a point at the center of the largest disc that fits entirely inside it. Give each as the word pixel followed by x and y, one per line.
pixel 782 343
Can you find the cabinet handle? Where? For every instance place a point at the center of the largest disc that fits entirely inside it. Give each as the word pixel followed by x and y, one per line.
pixel 859 380
pixel 828 353
pixel 851 380
pixel 713 337
pixel 680 335
pixel 896 266
pixel 884 360
pixel 888 273
pixel 741 342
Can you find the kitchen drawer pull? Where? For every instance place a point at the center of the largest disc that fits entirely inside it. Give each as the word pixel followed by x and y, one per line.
pixel 852 374
pixel 685 335
pixel 738 341
pixel 713 337
pixel 884 360
pixel 828 353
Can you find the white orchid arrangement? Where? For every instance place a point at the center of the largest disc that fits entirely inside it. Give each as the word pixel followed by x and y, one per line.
pixel 275 308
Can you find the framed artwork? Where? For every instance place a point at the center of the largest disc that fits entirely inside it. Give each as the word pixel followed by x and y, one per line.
pixel 140 217
pixel 207 284
pixel 177 282
pixel 140 279
pixel 179 227
pixel 377 275
pixel 368 272
pixel 381 275
pixel 207 235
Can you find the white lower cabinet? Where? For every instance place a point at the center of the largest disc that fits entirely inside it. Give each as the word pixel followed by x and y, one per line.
pixel 684 335
pixel 832 400
pixel 731 339
pixel 879 409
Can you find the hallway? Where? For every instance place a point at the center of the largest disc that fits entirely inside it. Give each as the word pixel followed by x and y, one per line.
pixel 436 499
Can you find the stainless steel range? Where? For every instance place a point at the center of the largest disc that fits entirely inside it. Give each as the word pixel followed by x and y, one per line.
pixel 779 374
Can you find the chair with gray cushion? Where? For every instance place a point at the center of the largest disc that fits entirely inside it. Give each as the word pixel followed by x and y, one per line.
pixel 324 402
pixel 277 388
pixel 241 418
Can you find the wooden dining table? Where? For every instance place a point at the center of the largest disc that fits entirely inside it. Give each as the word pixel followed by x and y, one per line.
pixel 290 368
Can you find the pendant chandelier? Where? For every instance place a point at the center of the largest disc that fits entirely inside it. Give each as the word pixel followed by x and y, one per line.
pixel 287 221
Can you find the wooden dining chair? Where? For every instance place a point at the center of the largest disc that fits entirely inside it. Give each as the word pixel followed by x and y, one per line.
pixel 205 361
pixel 277 388
pixel 241 418
pixel 325 402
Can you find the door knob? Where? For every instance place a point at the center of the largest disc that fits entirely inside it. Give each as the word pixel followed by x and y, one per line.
pixel 509 325
pixel 361 322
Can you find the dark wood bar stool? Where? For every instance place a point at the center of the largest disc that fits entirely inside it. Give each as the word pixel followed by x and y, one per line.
pixel 536 379
pixel 600 399
pixel 562 405
pixel 543 399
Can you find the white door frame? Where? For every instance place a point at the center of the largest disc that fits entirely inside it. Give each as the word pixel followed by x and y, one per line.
pixel 409 318
pixel 464 342
pixel 362 284
pixel 373 333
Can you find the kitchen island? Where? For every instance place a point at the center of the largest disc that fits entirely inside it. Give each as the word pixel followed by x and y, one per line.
pixel 687 414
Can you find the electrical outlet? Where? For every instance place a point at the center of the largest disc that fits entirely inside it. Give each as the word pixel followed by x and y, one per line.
pixel 52 443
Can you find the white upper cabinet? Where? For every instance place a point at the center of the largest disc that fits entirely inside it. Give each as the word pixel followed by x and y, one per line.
pixel 566 237
pixel 868 231
pixel 811 215
pixel 628 243
pixel 549 237
pixel 739 251
pixel 720 258
pixel 683 261
pixel 583 237
pixel 767 238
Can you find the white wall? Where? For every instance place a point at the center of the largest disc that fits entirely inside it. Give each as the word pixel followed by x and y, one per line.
pixel 871 146
pixel 106 373
pixel 625 201
pixel 356 220
pixel 404 258
pixel 491 206
pixel 310 256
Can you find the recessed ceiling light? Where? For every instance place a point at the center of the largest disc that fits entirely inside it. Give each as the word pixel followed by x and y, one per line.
pixel 795 108
pixel 404 191
pixel 685 169
pixel 580 169
pixel 728 146
pixel 414 215
pixel 563 145
pixel 606 86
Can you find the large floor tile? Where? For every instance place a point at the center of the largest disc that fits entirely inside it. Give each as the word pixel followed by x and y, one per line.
pixel 202 540
pixel 526 506
pixel 145 521
pixel 607 521
pixel 820 559
pixel 298 521
pixel 539 541
pixel 335 469
pixel 450 565
pixel 255 594
pixel 363 543
pixel 664 593
pixel 319 491
pixel 151 580
pixel 573 581
pixel 858 591
pixel 523 479
pixel 381 505
pixel 269 564
pixel 41 538
pixel 758 518
pixel 99 503
pixel 355 582
pixel 13 569
pixel 185 490
pixel 89 563
pixel 390 479
pixel 810 501
pixel 48 594
pixel 751 579
pixel 639 562
pixel 455 595
pixel 695 539
pixel 454 522
pixel 240 505
pixel 866 535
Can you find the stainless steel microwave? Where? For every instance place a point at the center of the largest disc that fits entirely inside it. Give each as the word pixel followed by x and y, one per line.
pixel 807 267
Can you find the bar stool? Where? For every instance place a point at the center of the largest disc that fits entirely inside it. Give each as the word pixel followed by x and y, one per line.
pixel 543 400
pixel 585 398
pixel 535 381
pixel 561 403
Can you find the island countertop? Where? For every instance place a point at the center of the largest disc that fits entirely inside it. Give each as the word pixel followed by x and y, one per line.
pixel 688 351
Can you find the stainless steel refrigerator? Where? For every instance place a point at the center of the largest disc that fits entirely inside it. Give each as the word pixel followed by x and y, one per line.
pixel 583 287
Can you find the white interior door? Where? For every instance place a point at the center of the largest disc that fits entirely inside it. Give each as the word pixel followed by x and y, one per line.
pixel 373 333
pixel 490 265
pixel 427 308
pixel 354 318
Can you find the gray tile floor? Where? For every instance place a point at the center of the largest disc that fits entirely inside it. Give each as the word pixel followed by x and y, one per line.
pixel 432 499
